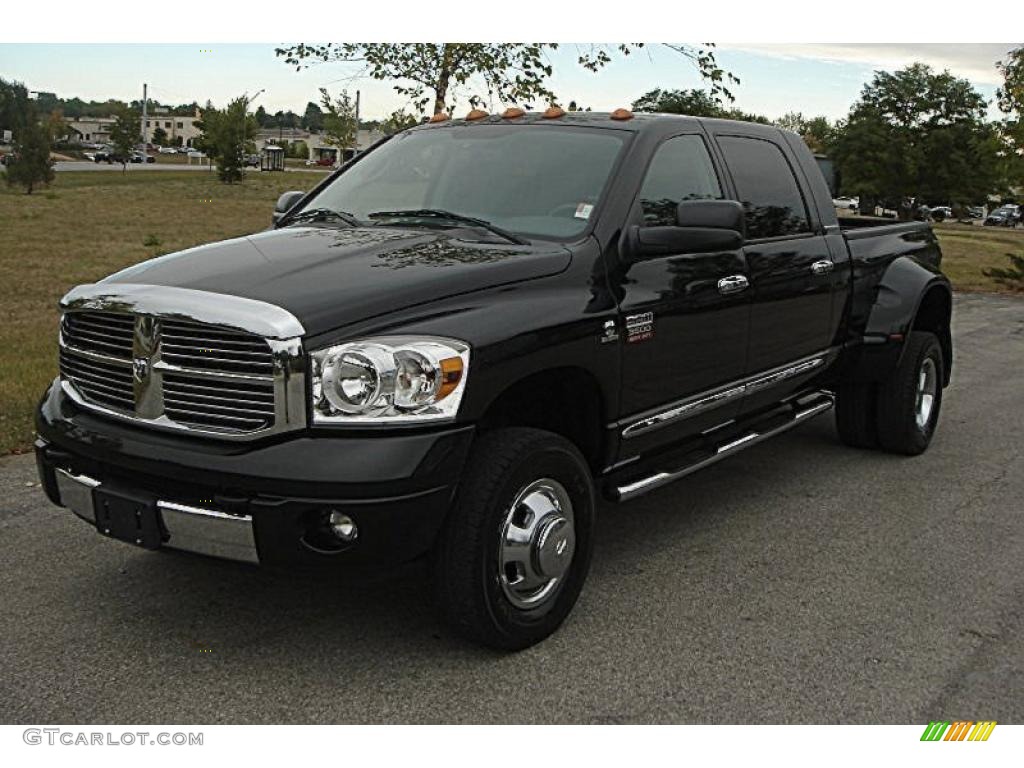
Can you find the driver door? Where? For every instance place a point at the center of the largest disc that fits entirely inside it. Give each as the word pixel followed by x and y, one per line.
pixel 684 324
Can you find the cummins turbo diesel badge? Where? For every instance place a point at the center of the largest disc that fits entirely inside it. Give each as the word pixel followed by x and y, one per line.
pixel 639 327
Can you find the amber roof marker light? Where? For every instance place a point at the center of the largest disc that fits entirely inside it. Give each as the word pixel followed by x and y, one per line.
pixel 512 113
pixel 621 114
pixel 476 114
pixel 440 117
pixel 552 112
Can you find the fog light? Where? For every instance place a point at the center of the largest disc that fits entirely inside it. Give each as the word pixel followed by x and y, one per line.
pixel 343 527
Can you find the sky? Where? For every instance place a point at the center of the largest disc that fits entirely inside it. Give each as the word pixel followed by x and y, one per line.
pixel 813 78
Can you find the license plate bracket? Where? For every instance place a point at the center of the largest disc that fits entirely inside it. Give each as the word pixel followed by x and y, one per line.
pixel 128 517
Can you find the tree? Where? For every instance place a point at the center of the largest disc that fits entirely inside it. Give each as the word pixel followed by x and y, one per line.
pixel 16 109
pixel 695 102
pixel 1011 94
pixel 313 118
pixel 32 164
pixel 125 134
pixel 397 122
pixel 513 73
pixel 340 128
pixel 261 116
pixel 918 135
pixel 1010 98
pixel 817 132
pixel 227 134
pixel 160 137
pixel 57 127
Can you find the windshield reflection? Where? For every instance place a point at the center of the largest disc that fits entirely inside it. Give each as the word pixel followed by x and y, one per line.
pixel 534 180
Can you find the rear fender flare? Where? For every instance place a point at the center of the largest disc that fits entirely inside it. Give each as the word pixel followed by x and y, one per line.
pixel 899 297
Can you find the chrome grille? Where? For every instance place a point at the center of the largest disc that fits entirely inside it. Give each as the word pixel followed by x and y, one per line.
pixel 234 403
pixel 105 332
pixel 107 384
pixel 194 345
pixel 179 373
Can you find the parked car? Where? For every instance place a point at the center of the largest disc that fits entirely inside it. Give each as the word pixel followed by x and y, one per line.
pixel 168 150
pixel 251 161
pixel 941 212
pixel 103 155
pixel 1001 217
pixel 453 344
pixel 142 157
pixel 846 203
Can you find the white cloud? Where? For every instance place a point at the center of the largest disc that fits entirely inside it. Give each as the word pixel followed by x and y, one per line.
pixel 974 61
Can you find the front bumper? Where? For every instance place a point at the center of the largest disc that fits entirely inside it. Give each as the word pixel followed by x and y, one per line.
pixel 257 502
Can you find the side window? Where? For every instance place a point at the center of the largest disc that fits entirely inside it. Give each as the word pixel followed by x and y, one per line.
pixel 680 170
pixel 766 187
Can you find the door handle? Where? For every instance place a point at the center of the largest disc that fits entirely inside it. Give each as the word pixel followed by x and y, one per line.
pixel 822 267
pixel 732 284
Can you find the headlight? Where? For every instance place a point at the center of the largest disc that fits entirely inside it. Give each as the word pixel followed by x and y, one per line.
pixel 389 379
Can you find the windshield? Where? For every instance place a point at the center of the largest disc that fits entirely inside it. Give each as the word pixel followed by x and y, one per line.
pixel 528 179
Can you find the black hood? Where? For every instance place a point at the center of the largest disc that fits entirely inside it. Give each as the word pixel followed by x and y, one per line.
pixel 329 277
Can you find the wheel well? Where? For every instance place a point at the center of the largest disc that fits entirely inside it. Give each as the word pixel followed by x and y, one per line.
pixel 933 314
pixel 566 401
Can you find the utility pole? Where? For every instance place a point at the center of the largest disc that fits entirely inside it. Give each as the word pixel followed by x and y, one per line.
pixel 145 143
pixel 356 147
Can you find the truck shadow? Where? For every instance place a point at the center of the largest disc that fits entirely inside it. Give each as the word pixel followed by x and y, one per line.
pixel 187 610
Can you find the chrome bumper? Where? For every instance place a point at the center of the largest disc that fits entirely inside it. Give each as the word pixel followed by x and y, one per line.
pixel 191 529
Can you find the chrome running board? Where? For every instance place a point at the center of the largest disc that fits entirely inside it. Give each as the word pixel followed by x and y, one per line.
pixel 802 411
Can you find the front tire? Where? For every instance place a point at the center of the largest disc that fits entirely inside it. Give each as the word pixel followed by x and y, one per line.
pixel 910 399
pixel 515 550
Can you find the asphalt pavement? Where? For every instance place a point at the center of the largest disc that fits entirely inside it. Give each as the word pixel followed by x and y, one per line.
pixel 800 581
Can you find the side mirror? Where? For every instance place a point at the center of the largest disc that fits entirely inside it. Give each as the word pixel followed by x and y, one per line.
pixel 286 202
pixel 702 226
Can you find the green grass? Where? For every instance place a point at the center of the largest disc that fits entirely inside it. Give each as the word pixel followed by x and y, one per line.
pixel 89 224
pixel 968 250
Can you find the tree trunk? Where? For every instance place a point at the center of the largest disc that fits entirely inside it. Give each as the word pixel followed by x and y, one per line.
pixel 443 78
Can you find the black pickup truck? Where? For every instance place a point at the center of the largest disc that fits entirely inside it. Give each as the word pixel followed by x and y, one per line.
pixel 459 339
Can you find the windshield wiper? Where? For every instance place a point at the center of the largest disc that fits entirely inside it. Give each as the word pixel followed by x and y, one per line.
pixel 323 214
pixel 439 213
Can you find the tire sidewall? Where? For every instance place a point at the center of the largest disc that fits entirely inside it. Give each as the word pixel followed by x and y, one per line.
pixel 559 463
pixel 922 436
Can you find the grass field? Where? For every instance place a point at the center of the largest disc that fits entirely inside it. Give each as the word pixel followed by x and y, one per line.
pixel 967 250
pixel 90 224
pixel 87 225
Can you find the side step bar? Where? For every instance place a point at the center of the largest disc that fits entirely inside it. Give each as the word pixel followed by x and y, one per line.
pixel 801 412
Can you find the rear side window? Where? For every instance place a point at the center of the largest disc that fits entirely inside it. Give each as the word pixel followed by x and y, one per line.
pixel 766 187
pixel 680 170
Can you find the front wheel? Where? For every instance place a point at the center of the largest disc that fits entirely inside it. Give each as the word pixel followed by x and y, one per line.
pixel 515 550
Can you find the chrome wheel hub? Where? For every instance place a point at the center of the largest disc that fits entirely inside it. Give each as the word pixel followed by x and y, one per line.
pixel 538 539
pixel 927 387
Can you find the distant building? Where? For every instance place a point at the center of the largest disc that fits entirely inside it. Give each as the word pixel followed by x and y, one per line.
pixel 91 130
pixel 175 126
pixel 316 143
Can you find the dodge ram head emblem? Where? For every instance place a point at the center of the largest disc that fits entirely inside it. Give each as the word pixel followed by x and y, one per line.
pixel 140 368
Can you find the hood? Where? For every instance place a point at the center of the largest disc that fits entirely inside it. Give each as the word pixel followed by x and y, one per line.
pixel 329 277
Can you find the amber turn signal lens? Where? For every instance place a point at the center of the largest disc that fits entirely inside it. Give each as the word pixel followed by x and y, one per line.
pixel 440 117
pixel 622 114
pixel 451 375
pixel 476 114
pixel 553 111
pixel 512 113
